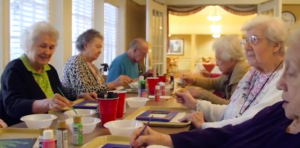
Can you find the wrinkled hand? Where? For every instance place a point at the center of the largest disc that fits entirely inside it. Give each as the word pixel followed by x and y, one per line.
pixel 88 96
pixel 2 124
pixel 188 79
pixel 186 99
pixel 205 73
pixel 194 91
pixel 58 102
pixel 149 137
pixel 123 81
pixel 196 118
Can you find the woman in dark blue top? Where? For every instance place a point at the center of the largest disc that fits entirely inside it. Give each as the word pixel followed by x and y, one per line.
pixel 277 126
pixel 29 85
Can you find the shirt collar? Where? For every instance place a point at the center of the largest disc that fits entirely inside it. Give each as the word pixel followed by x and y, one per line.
pixel 28 66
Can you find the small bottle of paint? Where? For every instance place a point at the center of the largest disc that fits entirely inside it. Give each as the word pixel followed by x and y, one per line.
pixel 157 93
pixel 77 131
pixel 163 89
pixel 48 139
pixel 61 135
pixel 41 130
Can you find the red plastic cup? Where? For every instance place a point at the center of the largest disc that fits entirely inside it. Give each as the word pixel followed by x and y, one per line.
pixel 121 102
pixel 152 82
pixel 162 79
pixel 108 109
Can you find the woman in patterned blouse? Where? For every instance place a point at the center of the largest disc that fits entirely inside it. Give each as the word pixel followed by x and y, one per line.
pixel 80 74
pixel 265 50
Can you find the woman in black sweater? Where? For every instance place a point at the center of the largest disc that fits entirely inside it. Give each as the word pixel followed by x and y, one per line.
pixel 29 85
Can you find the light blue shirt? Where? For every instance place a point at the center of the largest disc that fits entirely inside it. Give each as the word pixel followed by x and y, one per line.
pixel 122 65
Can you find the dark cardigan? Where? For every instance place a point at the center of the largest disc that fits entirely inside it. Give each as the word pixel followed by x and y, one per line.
pixel 19 90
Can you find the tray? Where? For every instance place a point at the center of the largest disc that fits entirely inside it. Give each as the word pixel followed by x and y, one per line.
pixel 162 124
pixel 18 133
pixel 85 105
pixel 74 103
pixel 102 140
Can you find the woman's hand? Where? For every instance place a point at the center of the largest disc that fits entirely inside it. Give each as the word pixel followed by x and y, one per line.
pixel 88 96
pixel 194 91
pixel 2 124
pixel 196 118
pixel 149 137
pixel 188 79
pixel 186 99
pixel 58 102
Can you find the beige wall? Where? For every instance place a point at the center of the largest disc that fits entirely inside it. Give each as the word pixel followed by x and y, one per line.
pixel 295 9
pixel 204 46
pixel 135 21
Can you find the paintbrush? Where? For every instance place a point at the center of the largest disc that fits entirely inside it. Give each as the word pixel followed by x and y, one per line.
pixel 142 132
pixel 66 97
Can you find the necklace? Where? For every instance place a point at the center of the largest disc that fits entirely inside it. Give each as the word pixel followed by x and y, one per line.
pixel 247 107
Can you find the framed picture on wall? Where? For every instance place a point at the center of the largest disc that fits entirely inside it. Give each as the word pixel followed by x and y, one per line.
pixel 175 47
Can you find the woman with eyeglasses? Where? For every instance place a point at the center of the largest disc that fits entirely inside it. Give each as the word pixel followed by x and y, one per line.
pixel 275 126
pixel 264 48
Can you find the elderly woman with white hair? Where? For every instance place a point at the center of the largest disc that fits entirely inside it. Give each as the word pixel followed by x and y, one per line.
pixel 276 126
pixel 231 61
pixel 265 50
pixel 29 85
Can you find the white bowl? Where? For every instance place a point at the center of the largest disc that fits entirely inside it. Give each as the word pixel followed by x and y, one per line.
pixel 88 124
pixel 134 85
pixel 37 121
pixel 123 127
pixel 136 102
pixel 80 112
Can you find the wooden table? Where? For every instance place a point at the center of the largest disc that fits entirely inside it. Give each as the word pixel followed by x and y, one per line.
pixel 99 131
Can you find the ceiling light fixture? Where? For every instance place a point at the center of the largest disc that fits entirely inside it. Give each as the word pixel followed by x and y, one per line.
pixel 214 15
pixel 215 28
pixel 216 35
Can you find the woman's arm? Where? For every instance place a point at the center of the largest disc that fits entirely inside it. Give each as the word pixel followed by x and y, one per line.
pixel 211 83
pixel 13 90
pixel 211 112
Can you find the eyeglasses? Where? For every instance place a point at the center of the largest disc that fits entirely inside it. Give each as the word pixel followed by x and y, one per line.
pixel 251 39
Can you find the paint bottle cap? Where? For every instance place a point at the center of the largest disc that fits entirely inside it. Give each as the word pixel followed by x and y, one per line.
pixel 157 87
pixel 141 77
pixel 61 124
pixel 77 119
pixel 41 130
pixel 47 134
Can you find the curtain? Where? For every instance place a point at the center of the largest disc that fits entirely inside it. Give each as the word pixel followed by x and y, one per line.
pixel 184 10
pixel 241 10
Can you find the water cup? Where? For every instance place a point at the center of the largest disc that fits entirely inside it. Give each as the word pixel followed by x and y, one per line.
pixel 121 102
pixel 162 79
pixel 152 82
pixel 108 109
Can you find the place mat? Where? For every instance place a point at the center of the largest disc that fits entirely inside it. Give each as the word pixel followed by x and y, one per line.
pixel 17 143
pixel 173 123
pixel 86 104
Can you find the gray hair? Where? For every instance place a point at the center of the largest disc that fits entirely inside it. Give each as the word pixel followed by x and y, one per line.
pixel 136 43
pixel 275 29
pixel 87 37
pixel 230 48
pixel 33 32
pixel 294 36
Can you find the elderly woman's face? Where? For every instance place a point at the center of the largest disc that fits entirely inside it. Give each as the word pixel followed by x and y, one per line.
pixel 257 47
pixel 42 50
pixel 226 67
pixel 289 83
pixel 94 48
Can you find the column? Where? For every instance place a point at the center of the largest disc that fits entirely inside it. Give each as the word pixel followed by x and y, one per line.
pixel 193 51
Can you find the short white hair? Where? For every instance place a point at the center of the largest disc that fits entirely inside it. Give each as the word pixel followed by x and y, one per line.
pixel 230 48
pixel 33 32
pixel 294 36
pixel 275 29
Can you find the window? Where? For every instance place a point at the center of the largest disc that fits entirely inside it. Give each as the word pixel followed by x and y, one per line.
pixel 24 13
pixel 82 19
pixel 110 32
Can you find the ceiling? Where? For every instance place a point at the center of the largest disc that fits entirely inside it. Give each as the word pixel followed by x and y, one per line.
pixel 198 23
pixel 215 2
